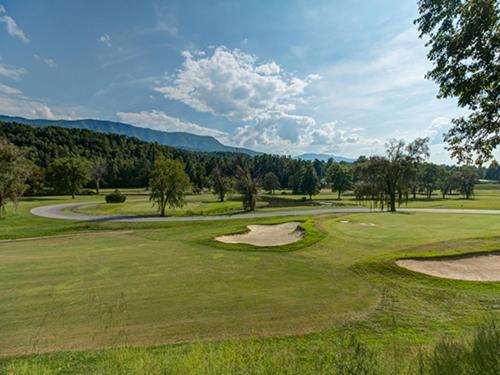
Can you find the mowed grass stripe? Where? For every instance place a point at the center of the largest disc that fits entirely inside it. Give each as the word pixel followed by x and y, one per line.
pixel 105 289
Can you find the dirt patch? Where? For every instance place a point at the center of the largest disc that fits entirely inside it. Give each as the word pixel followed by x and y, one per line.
pixel 483 267
pixel 267 235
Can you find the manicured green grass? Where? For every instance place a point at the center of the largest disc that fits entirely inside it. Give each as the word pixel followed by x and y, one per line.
pixel 199 205
pixel 148 286
pixel 486 197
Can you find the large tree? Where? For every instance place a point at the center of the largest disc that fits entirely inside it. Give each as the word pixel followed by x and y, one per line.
pixel 467 179
pixel 247 185
pixel 430 174
pixel 384 177
pixel 69 174
pixel 464 41
pixel 340 175
pixel 310 181
pixel 15 170
pixel 168 183
pixel 270 182
pixel 221 184
pixel 98 170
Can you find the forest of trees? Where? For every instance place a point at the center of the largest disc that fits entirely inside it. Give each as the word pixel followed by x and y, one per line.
pixel 72 160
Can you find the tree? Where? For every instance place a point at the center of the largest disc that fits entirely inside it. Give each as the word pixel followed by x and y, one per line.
pixel 464 40
pixel 69 174
pixel 270 182
pixel 383 177
pixel 221 184
pixel 98 169
pixel 247 185
pixel 15 170
pixel 493 171
pixel 430 174
pixel 445 182
pixel 168 183
pixel 340 175
pixel 296 177
pixel 467 180
pixel 310 181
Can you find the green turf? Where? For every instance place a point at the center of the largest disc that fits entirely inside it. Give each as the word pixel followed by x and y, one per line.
pixel 103 285
pixel 202 204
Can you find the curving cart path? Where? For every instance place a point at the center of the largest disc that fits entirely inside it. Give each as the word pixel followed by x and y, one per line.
pixel 55 211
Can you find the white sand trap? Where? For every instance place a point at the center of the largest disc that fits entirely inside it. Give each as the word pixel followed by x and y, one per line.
pixel 484 267
pixel 267 235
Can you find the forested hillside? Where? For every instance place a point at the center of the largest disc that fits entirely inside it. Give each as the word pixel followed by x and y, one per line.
pixel 182 140
pixel 126 162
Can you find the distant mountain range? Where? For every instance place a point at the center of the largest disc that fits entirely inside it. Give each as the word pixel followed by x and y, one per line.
pixel 324 157
pixel 182 140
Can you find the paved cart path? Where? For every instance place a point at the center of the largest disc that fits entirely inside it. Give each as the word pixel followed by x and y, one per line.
pixel 55 211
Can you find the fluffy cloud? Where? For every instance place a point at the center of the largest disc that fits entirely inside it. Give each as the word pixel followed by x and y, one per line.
pixel 437 128
pixel 233 84
pixel 14 104
pixel 292 134
pixel 12 28
pixel 161 121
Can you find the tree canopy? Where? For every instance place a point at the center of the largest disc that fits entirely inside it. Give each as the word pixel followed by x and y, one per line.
pixel 464 41
pixel 168 183
pixel 15 170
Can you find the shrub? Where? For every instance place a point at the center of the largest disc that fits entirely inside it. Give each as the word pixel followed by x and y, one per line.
pixel 87 192
pixel 115 197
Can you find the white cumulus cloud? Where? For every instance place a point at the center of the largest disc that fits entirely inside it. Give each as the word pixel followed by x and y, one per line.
pixel 233 84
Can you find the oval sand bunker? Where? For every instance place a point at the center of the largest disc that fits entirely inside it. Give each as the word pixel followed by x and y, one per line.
pixel 484 267
pixel 267 235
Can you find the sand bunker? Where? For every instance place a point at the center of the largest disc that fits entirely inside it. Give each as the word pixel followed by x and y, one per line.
pixel 484 267
pixel 267 235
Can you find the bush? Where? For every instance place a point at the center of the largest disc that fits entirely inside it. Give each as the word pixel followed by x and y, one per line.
pixel 476 356
pixel 116 197
pixel 86 192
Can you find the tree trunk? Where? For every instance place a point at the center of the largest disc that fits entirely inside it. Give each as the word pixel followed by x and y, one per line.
pixel 72 194
pixel 392 201
pixel 97 186
pixel 339 195
pixel 163 203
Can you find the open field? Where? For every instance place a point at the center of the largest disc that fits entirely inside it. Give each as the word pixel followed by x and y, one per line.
pixel 98 285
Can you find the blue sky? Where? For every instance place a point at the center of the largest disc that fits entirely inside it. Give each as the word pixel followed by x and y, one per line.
pixel 277 76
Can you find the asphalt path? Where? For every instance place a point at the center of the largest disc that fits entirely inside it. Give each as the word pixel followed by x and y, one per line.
pixel 55 211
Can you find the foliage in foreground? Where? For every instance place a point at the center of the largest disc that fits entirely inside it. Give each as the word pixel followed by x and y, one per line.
pixel 346 354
